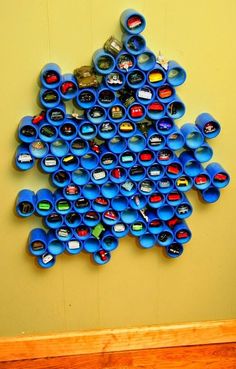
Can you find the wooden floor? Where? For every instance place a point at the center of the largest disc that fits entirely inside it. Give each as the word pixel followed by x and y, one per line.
pixel 215 356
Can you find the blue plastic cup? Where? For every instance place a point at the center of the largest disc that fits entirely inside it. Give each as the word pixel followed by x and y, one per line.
pixel 62 205
pixel 155 171
pixel 27 131
pixel 55 246
pixel 156 76
pixel 68 88
pixel 109 190
pixel 174 250
pixel 125 62
pixel 191 166
pixel 64 233
pixel 137 173
pixel 146 187
pixel 100 204
pixel 165 156
pixel 146 61
pixel 174 198
pixel 211 194
pixel 49 98
pixel 208 125
pixel 50 164
pixel 87 131
pixel 145 95
pixel 117 144
pixel 182 233
pixel 136 78
pixel 138 228
pixel 91 218
pixel 104 62
pixel 165 93
pixel 38 149
pixel 71 191
pixel 134 44
pixel 44 202
pixel 184 183
pixel 69 162
pixel 82 205
pixel 203 153
pixel 175 140
pixel 127 159
pixel 105 96
pixel 184 209
pixel 83 232
pixel 80 176
pixel 60 178
pixel 137 143
pixel 47 132
pixel 115 80
pixel 37 241
pixel 165 237
pixel 165 212
pixel 156 110
pixel 25 203
pixel 68 130
pixel 91 191
pixel 79 147
pixel 50 76
pixel 53 220
pixel 147 240
pixel 110 217
pixel 156 199
pixel 202 180
pixel 72 219
pixel 128 188
pixel 119 203
pixel 219 177
pixel 137 201
pixel 23 158
pixel 46 260
pixel 165 125
pixel 86 98
pixel 74 246
pixel 155 141
pixel 56 116
pixel 193 136
pixel 132 21
pixel 108 241
pixel 117 113
pixel 136 112
pixel 175 109
pixel 89 161
pixel 120 230
pixel 174 169
pixel 176 75
pixel 59 148
pixel 129 216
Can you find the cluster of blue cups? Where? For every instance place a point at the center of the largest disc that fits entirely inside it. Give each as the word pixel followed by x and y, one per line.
pixel 116 168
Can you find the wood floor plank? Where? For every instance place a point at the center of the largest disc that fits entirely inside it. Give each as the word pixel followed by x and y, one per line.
pixel 218 356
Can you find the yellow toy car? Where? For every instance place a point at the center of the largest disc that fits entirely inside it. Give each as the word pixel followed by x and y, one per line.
pixel 182 181
pixel 126 127
pixel 155 77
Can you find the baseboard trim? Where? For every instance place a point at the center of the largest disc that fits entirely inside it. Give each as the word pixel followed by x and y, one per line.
pixel 113 340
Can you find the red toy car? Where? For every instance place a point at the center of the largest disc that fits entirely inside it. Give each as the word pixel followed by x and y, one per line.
pixel 155 106
pixel 110 215
pixel 67 87
pixel 95 147
pixel 172 222
pixel 116 173
pixel 165 92
pixel 136 111
pixel 82 231
pixel 182 234
pixel 201 179
pixel 134 22
pixel 51 78
pixel 39 118
pixel 173 196
pixel 220 177
pixel 103 255
pixel 155 223
pixel 145 156
pixel 72 190
pixel 155 198
pixel 101 201
pixel 173 169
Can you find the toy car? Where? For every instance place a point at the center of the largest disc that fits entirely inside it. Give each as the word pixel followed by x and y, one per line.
pixel 67 87
pixel 220 177
pixel 82 231
pixel 44 205
pixel 128 186
pixel 155 107
pixel 63 205
pixel 163 236
pixel 182 209
pixel 26 207
pixel 155 198
pixel 86 77
pixel 164 183
pixel 106 127
pixel 86 97
pixel 155 76
pixel 61 176
pixel 56 115
pixel 173 196
pixel 113 46
pixel 46 258
pixel 48 131
pixel 127 158
pixel 107 159
pixel 67 129
pixel 104 63
pixel 119 227
pixel 94 147
pixel 134 22
pixel 28 131
pixel 37 245
pixel 69 159
pixel 91 215
pixel 110 214
pixel 201 179
pixel 136 111
pixel 125 62
pixel 172 222
pixel 63 232
pixel 78 144
pixel 164 155
pixel 54 218
pixel 209 128
pixel 117 112
pixel 96 112
pixel 82 203
pixel 50 96
pixel 73 244
pixel 173 169
pixel 175 249
pixel 154 170
pixel 155 140
pixel 164 125
pixel 38 145
pixel 99 174
pixel 146 156
pixel 145 93
pixel 72 189
pixel 136 170
pixel 103 255
pixel 72 218
pixel 155 223
pixel 51 77
pixel 137 226
pixel 114 79
pixel 146 186
pixel 39 118
pixel 101 201
pixel 106 96
pixel 172 108
pixel 135 77
pixel 182 234
pixel 86 129
pixel 25 158
pixel 134 43
pixel 165 92
pixel 126 127
pixel 182 181
pixel 116 173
